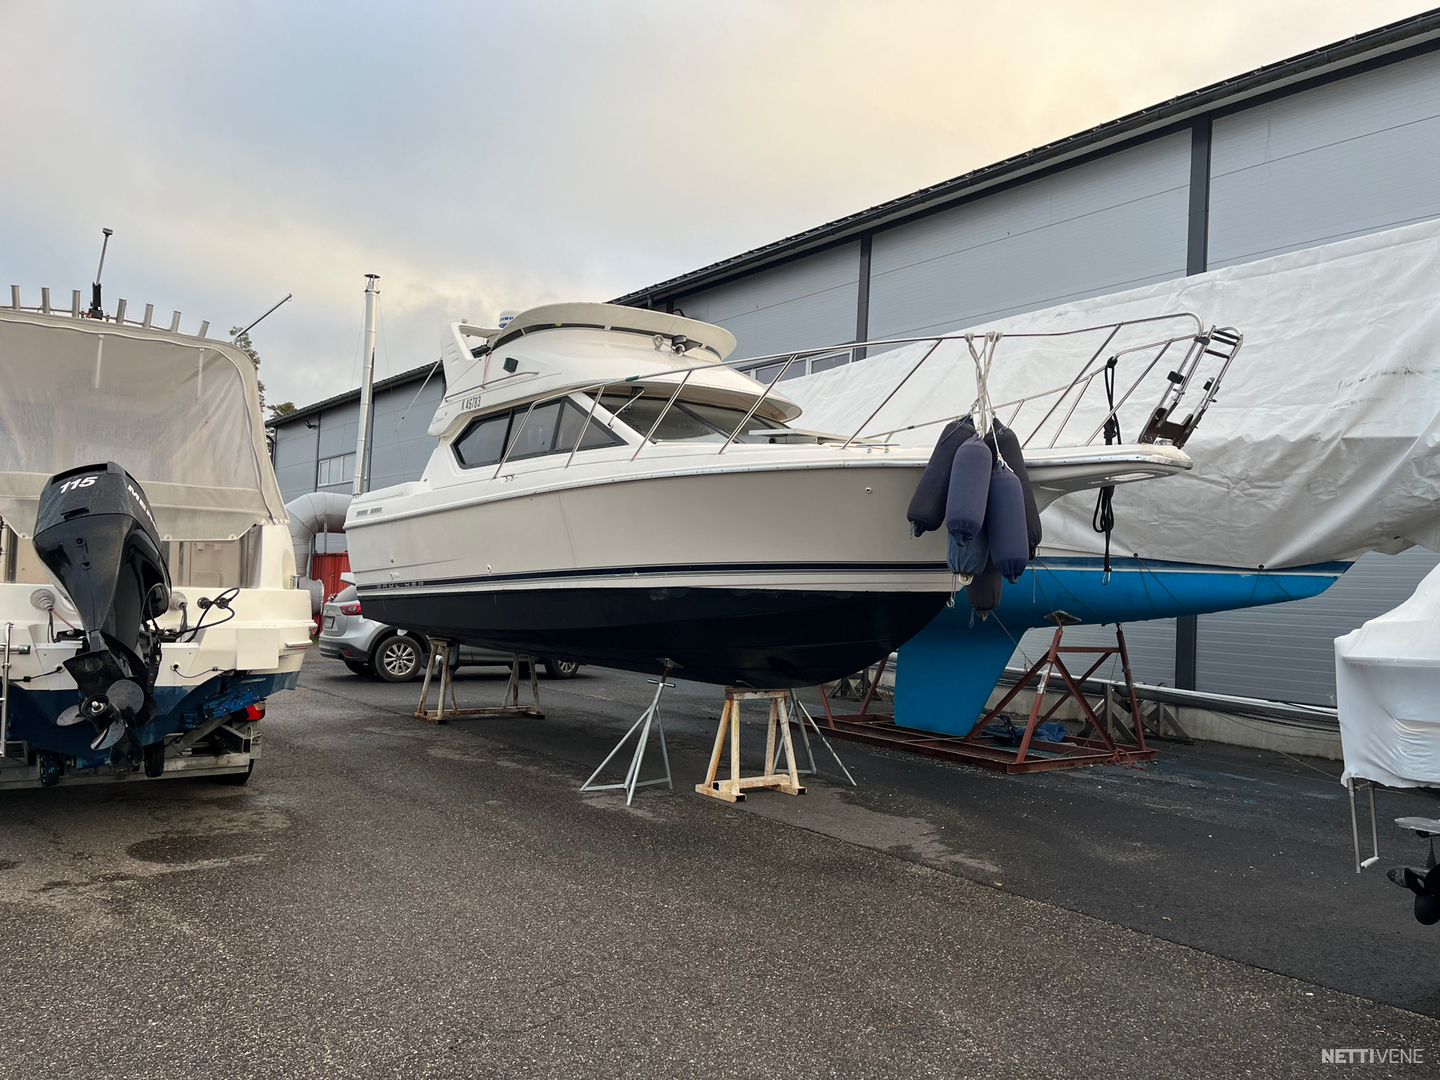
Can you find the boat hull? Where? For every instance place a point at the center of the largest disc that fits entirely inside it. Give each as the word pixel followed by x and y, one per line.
pixel 768 639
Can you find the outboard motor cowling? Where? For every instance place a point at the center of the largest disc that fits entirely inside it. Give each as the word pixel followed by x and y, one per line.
pixel 96 534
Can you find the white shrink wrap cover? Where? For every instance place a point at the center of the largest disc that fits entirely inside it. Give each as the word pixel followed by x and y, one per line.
pixel 180 414
pixel 1321 446
pixel 1387 690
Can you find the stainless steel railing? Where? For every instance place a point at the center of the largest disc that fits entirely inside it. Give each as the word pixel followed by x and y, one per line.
pixel 1220 342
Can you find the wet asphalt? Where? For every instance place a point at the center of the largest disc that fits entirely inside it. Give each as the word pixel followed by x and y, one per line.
pixel 392 898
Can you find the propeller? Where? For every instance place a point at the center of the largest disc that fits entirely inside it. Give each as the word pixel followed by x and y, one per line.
pixel 69 717
pixel 126 695
pixel 110 736
pixel 1424 882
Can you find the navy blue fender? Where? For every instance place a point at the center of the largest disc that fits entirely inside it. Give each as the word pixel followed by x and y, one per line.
pixel 969 489
pixel 983 593
pixel 927 505
pixel 1008 444
pixel 1005 522
pixel 970 558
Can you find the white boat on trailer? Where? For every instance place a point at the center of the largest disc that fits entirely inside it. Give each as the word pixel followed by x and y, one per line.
pixel 147 599
pixel 608 488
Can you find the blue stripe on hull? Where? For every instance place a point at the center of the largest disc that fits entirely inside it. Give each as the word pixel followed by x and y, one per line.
pixel 948 670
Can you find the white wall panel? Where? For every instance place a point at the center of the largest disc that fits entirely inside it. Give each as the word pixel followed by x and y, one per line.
pixel 1112 224
pixel 1286 651
pixel 1350 157
pixel 807 303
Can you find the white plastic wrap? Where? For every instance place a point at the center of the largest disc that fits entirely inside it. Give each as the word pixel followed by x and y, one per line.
pixel 1387 689
pixel 181 415
pixel 1322 445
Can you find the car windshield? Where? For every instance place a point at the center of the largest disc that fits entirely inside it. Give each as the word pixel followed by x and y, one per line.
pixel 347 595
pixel 686 421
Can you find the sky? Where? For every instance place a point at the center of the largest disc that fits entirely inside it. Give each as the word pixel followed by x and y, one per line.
pixel 482 156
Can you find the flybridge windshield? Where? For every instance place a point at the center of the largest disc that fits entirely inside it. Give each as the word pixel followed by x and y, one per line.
pixel 179 416
pixel 686 421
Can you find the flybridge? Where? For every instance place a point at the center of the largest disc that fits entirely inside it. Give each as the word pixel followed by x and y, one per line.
pixel 119 318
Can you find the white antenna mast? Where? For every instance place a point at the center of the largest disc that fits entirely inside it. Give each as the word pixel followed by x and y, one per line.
pixel 372 298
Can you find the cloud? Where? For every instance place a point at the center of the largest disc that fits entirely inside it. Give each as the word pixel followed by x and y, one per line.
pixel 496 155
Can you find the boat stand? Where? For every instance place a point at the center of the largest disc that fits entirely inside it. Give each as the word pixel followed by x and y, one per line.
pixel 510 703
pixel 807 719
pixel 1361 864
pixel 733 789
pixel 649 717
pixel 1032 754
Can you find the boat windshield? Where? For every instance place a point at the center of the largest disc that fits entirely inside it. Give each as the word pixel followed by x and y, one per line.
pixel 686 421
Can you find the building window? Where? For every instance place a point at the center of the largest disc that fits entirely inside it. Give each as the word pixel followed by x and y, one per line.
pixel 335 470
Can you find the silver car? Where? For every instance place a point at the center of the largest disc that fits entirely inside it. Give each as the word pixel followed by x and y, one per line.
pixel 368 647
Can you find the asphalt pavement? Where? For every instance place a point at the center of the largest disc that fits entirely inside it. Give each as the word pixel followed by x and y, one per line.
pixel 392 898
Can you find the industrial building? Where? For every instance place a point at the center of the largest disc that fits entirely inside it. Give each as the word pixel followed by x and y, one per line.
pixel 1334 143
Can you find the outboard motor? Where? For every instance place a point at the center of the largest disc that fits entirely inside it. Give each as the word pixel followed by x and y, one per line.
pixel 1423 881
pixel 96 534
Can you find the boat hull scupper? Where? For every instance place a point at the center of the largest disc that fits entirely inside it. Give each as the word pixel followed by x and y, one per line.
pixel 768 639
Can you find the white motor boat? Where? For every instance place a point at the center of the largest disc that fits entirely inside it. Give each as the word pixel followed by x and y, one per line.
pixel 606 488
pixel 147 599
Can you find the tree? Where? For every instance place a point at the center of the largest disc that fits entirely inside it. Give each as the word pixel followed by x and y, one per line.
pixel 285 408
pixel 241 340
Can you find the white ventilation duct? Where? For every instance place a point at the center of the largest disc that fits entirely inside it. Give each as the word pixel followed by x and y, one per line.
pixel 309 514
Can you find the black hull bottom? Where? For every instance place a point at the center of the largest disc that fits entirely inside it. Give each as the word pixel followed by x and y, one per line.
pixel 768 639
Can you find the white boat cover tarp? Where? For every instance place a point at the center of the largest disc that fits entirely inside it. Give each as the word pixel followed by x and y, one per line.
pixel 1387 690
pixel 180 414
pixel 1321 446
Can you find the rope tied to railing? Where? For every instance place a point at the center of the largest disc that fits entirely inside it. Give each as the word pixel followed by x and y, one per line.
pixel 983 411
pixel 1103 520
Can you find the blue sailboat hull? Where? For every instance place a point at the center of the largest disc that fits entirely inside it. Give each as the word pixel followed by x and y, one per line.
pixel 947 671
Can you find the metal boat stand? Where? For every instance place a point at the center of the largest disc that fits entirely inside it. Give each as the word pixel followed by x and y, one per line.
pixel 806 718
pixel 1361 864
pixel 733 789
pixel 649 717
pixel 1032 755
pixel 510 703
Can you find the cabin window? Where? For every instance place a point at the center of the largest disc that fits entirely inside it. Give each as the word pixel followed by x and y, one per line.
pixel 483 441
pixel 550 429
pixel 532 431
pixel 686 421
pixel 596 435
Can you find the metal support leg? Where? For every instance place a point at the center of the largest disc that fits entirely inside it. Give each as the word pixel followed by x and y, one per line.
pixel 649 717
pixel 1355 826
pixel 5 691
pixel 804 717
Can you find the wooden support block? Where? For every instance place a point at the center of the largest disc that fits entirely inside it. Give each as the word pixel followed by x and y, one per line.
pixel 733 788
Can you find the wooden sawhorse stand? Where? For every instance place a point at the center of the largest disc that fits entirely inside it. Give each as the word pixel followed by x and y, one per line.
pixel 733 789
pixel 440 651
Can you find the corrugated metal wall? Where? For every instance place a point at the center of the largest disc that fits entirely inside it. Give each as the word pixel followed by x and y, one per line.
pixel 401 445
pixel 1351 157
pixel 807 303
pixel 295 456
pixel 1108 225
pixel 1286 651
pixel 1151 645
